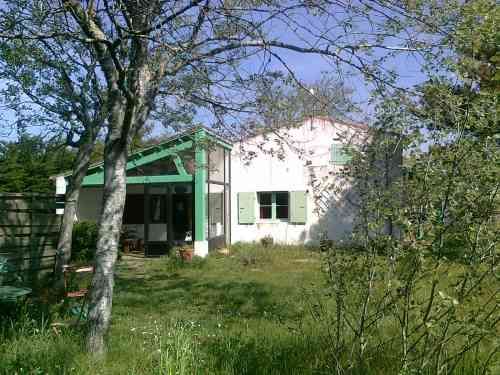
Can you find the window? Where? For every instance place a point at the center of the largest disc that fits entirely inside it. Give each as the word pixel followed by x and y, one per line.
pixel 273 205
pixel 266 205
pixel 216 210
pixel 216 164
pixel 339 154
pixel 134 209
pixel 157 208
pixel 188 161
pixel 281 205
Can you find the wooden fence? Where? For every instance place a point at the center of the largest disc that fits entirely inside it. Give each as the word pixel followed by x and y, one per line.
pixel 29 230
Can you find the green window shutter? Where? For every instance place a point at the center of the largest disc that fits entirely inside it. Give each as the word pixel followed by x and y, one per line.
pixel 246 208
pixel 298 207
pixel 333 153
pixel 338 155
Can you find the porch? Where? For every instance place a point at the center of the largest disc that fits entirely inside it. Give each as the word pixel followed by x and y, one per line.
pixel 178 192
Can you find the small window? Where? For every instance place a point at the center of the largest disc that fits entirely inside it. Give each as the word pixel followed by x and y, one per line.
pixel 273 205
pixel 266 205
pixel 157 209
pixel 339 154
pixel 282 205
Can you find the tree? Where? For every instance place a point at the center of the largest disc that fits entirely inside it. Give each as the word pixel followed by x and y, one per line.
pixel 152 54
pixel 27 163
pixel 479 57
pixel 283 101
pixel 51 85
pixel 476 64
pixel 426 284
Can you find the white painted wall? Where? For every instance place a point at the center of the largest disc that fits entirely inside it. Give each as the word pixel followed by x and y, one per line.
pixel 61 186
pixel 90 204
pixel 306 153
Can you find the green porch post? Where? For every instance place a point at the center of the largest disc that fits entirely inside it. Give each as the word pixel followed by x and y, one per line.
pixel 200 181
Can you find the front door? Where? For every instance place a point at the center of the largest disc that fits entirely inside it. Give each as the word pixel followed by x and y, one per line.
pixel 182 213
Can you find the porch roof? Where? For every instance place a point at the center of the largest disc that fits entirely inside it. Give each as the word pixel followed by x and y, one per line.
pixel 170 147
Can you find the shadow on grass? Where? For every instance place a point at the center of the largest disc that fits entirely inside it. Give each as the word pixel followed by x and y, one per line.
pixel 244 322
pixel 176 292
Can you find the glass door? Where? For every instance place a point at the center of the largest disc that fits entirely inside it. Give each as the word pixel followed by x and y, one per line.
pixel 156 219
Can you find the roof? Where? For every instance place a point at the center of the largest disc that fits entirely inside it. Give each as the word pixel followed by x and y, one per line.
pixel 348 123
pixel 188 133
pixel 270 129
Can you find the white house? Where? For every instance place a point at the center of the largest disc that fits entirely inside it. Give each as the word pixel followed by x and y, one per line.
pixel 286 183
pixel 199 187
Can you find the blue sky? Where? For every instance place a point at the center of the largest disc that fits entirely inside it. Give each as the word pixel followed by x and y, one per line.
pixel 308 68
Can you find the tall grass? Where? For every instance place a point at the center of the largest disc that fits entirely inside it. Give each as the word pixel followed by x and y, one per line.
pixel 30 346
pixel 35 347
pixel 252 312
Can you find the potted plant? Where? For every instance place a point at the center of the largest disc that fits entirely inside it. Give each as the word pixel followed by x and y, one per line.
pixel 186 253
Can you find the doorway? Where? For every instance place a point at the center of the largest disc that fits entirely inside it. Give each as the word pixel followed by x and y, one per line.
pixel 156 223
pixel 182 214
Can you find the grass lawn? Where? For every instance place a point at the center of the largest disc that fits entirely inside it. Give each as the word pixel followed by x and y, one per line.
pixel 239 314
pixel 248 313
pixel 236 314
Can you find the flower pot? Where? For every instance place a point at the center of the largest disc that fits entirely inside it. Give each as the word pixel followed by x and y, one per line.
pixel 187 254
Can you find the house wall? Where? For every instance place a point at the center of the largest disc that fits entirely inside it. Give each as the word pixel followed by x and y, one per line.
pixel 301 163
pixel 61 186
pixel 89 206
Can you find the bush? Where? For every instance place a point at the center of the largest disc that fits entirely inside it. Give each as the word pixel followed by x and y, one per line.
pixel 267 241
pixel 84 241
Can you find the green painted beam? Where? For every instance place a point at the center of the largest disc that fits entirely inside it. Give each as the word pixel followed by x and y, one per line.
pixel 141 157
pixel 200 182
pixel 158 179
pixel 180 166
pixel 160 154
pixel 201 141
pixel 95 180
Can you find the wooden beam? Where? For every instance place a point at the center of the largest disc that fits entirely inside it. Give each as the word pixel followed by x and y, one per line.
pixel 160 154
pixel 180 166
pixel 158 179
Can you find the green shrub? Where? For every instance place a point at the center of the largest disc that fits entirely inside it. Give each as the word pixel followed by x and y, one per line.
pixel 84 241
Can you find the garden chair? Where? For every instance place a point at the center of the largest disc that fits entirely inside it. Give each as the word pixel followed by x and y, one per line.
pixel 70 273
pixel 9 291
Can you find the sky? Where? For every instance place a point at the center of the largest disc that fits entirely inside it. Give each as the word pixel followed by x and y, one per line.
pixel 308 68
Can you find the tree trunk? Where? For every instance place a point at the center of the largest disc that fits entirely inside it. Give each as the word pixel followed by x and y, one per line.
pixel 101 292
pixel 64 243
